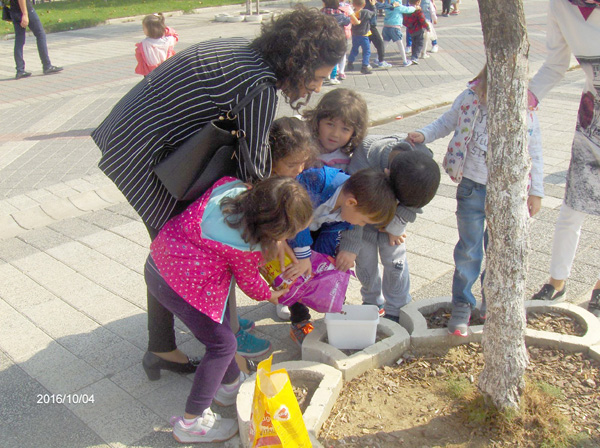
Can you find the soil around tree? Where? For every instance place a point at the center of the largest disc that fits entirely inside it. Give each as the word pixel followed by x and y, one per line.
pixel 409 404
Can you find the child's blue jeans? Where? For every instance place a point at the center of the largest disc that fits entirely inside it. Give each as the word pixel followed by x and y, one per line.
pixel 468 253
pixel 357 43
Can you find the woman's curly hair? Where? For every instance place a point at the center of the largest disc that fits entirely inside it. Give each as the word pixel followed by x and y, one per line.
pixel 297 43
pixel 347 105
pixel 273 209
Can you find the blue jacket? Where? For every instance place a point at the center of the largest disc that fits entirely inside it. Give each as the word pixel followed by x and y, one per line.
pixel 321 184
pixel 394 15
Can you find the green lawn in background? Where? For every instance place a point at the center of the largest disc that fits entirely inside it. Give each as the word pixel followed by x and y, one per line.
pixel 76 14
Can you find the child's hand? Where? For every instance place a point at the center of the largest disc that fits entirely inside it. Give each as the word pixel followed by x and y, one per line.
pixel 344 260
pixel 395 4
pixel 275 295
pixel 284 249
pixel 415 137
pixel 295 270
pixel 534 204
pixel 396 240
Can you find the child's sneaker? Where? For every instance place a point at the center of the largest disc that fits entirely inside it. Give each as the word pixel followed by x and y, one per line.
pixel 594 305
pixel 380 307
pixel 459 320
pixel 251 346
pixel 246 324
pixel 300 330
pixel 209 427
pixel 435 49
pixel 227 393
pixel 350 66
pixel 366 70
pixel 283 312
pixel 383 64
pixel 341 76
pixel 425 56
pixel 334 81
pixel 393 318
pixel 407 63
pixel 415 61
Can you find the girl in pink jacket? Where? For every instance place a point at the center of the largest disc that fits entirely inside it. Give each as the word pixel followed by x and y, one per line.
pixel 157 47
pixel 191 268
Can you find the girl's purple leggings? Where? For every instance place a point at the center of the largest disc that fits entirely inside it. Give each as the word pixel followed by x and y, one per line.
pixel 218 365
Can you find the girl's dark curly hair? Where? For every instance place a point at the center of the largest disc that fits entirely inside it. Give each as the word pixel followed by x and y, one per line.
pixel 273 209
pixel 290 136
pixel 347 105
pixel 297 43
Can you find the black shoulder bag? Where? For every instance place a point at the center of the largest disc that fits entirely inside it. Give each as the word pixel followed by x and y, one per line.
pixel 208 155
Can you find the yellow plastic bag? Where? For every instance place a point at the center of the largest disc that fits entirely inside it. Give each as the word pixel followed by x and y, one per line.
pixel 276 420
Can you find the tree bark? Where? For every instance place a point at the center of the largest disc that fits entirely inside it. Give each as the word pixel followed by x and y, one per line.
pixel 248 7
pixel 507 49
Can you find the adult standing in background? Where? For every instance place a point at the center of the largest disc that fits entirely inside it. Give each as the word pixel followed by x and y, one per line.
pixel 23 15
pixel 294 53
pixel 574 27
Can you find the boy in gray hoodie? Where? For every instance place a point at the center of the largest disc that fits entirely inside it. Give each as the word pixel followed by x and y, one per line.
pixel 415 177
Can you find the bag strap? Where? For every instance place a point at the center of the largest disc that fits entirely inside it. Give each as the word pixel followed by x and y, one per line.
pixel 243 145
pixel 256 90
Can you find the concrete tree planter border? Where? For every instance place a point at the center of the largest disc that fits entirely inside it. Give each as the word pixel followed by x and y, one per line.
pixel 565 342
pixel 386 351
pixel 321 403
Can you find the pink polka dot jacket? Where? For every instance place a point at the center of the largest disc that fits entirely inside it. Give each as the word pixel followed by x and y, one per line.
pixel 199 266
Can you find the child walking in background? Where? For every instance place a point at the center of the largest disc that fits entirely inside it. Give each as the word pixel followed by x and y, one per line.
pixel 375 37
pixel 430 13
pixel 341 201
pixel 192 263
pixel 339 122
pixel 415 24
pixel 157 47
pixel 455 10
pixel 392 25
pixel 346 8
pixel 465 162
pixel 361 30
pixel 331 8
pixel 415 178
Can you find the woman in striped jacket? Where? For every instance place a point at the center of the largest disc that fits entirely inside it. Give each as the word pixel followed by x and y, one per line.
pixel 294 53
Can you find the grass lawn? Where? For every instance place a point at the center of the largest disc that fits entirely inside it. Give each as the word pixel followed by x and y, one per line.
pixel 75 14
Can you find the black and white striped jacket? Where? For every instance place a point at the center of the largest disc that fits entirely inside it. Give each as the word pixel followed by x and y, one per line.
pixel 173 103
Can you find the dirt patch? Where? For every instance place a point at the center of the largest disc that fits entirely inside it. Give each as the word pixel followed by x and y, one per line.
pixel 411 404
pixel 555 322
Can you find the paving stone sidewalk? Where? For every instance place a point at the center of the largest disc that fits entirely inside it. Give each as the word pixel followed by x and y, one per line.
pixel 72 295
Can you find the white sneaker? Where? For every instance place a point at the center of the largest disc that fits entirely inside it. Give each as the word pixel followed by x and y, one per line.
pixel 435 49
pixel 209 427
pixel 283 312
pixel 227 393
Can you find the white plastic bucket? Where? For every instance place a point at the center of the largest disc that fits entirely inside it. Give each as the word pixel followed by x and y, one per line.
pixel 354 328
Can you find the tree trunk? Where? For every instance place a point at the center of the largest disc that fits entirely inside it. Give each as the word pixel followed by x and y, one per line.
pixel 248 7
pixel 507 50
pixel 257 7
